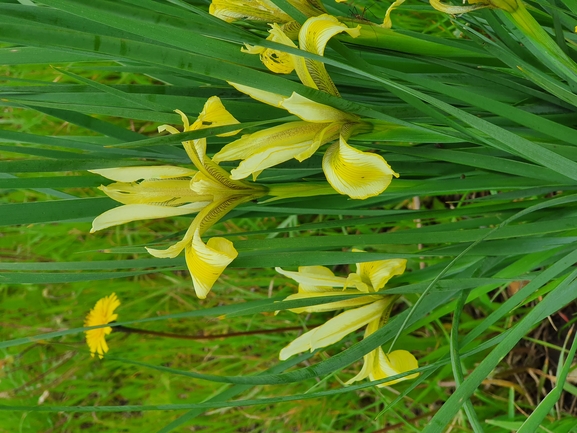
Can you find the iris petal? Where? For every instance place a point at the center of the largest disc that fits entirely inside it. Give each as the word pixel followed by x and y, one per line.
pixel 206 262
pixel 137 212
pixel 269 98
pixel 159 192
pixel 330 306
pixel 132 174
pixel 380 272
pixel 310 276
pixel 213 114
pixel 312 111
pixel 313 37
pixel 354 173
pixel 394 363
pixel 278 136
pixel 335 329
pixel 387 23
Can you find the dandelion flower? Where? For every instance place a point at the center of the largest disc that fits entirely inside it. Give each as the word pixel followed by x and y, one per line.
pixel 101 314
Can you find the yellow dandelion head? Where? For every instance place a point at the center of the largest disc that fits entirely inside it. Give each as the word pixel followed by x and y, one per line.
pixel 101 314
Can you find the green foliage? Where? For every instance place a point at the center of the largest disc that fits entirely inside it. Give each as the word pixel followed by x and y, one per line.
pixel 476 113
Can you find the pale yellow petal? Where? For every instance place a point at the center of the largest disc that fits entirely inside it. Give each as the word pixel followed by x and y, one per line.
pixel 171 252
pixel 378 273
pixel 214 114
pixel 269 98
pixel 313 37
pixel 312 111
pixel 316 32
pixel 387 23
pixel 368 363
pixel 184 119
pixel 325 135
pixel 354 280
pixel 285 135
pixel 168 128
pixel 206 262
pixel 268 158
pixel 310 276
pixel 132 174
pixel 396 362
pixel 318 270
pixel 359 175
pixel 335 329
pixel 159 192
pixel 330 306
pixel 137 212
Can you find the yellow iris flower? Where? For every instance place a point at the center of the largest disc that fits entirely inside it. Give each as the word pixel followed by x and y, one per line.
pixel 313 38
pixel 369 310
pixel 101 314
pixel 349 171
pixel 166 191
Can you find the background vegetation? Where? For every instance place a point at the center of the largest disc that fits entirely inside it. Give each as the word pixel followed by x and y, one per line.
pixel 481 118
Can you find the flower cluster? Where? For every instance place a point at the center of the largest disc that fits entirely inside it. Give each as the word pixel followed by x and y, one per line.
pixel 210 191
pixel 367 309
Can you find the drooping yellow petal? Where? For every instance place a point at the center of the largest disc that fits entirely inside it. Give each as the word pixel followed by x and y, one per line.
pixel 314 276
pixel 132 174
pixel 330 306
pixel 359 175
pixel 378 273
pixel 335 329
pixel 313 37
pixel 311 111
pixel 136 212
pixel 101 314
pixel 247 10
pixel 387 23
pixel 396 362
pixel 206 262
